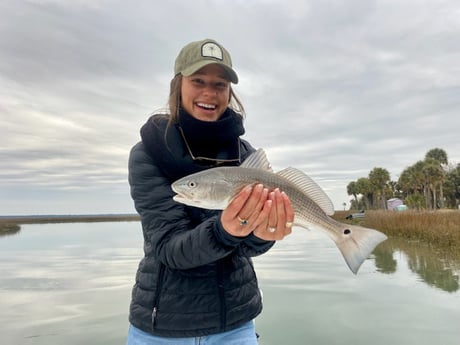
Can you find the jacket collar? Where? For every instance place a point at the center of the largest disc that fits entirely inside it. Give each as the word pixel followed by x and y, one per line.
pixel 192 146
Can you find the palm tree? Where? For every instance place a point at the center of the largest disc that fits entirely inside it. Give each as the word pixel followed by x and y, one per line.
pixel 452 187
pixel 434 175
pixel 353 190
pixel 420 180
pixel 412 181
pixel 437 154
pixel 379 178
pixel 440 156
pixel 406 183
pixel 363 187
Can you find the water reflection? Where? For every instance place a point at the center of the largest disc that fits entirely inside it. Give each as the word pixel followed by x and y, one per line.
pixel 70 283
pixel 433 266
pixel 9 229
pixel 310 296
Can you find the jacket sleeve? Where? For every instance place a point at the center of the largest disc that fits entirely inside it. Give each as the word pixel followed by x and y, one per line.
pixel 249 246
pixel 254 246
pixel 166 224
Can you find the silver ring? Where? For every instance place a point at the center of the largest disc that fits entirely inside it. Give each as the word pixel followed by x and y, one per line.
pixel 271 229
pixel 243 222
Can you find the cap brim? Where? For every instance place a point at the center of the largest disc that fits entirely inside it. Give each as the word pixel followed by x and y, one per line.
pixel 232 76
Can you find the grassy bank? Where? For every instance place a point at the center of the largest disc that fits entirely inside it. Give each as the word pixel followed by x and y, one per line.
pixel 9 229
pixel 12 224
pixel 68 219
pixel 440 228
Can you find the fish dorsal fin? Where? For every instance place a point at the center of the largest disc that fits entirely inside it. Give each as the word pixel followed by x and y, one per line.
pixel 257 160
pixel 309 187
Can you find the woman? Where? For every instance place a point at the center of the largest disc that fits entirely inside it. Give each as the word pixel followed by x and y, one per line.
pixel 196 278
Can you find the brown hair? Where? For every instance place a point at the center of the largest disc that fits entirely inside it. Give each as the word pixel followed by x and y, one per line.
pixel 175 100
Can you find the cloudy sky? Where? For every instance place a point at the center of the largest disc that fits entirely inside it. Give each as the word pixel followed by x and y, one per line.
pixel 334 88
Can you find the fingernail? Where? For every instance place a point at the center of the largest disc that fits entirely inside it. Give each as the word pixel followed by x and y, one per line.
pixel 248 188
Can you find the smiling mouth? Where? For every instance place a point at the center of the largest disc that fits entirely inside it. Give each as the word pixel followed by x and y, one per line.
pixel 206 106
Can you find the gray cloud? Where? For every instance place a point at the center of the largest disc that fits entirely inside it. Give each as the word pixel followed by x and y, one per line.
pixel 334 88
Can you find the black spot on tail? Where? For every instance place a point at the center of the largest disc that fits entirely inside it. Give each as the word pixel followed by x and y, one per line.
pixel 347 232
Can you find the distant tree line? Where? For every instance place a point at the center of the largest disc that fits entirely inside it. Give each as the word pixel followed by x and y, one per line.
pixel 431 183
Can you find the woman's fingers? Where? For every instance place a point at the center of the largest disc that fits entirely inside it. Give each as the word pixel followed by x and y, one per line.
pixel 278 224
pixel 241 216
pixel 289 214
pixel 269 214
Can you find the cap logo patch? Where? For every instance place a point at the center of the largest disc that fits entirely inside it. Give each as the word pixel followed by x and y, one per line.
pixel 210 49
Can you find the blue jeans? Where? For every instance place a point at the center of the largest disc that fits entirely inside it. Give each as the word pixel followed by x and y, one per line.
pixel 245 335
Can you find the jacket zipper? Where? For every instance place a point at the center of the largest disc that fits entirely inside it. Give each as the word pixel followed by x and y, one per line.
pixel 157 295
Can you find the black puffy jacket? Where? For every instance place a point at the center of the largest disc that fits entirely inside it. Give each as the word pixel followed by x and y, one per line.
pixel 195 279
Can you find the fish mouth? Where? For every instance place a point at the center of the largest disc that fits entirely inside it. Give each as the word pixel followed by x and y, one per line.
pixel 179 197
pixel 183 198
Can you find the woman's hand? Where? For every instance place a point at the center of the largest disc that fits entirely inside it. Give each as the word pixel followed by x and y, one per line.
pixel 268 214
pixel 280 219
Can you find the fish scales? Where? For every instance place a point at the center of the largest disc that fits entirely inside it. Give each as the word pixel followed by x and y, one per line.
pixel 307 213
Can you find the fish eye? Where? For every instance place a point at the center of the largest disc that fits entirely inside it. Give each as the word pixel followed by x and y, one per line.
pixel 191 184
pixel 347 232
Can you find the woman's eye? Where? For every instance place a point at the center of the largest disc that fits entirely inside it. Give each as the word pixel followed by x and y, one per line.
pixel 221 86
pixel 198 81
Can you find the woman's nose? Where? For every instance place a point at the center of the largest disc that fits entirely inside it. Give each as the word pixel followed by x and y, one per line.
pixel 210 89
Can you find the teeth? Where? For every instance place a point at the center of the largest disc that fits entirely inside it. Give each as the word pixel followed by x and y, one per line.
pixel 207 106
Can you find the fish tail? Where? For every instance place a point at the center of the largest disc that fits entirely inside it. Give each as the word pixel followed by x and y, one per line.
pixel 357 243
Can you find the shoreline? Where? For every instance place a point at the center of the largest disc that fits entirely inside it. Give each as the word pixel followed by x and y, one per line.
pixel 439 227
pixel 44 219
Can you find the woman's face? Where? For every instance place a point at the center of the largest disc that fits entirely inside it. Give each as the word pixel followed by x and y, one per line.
pixel 205 95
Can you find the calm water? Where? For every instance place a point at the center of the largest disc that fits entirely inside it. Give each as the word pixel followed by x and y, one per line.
pixel 71 283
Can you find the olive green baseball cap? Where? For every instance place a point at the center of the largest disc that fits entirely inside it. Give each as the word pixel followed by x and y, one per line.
pixel 198 54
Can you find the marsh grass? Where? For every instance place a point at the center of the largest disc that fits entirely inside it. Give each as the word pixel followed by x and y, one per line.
pixel 12 225
pixel 439 228
pixel 68 219
pixel 9 229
